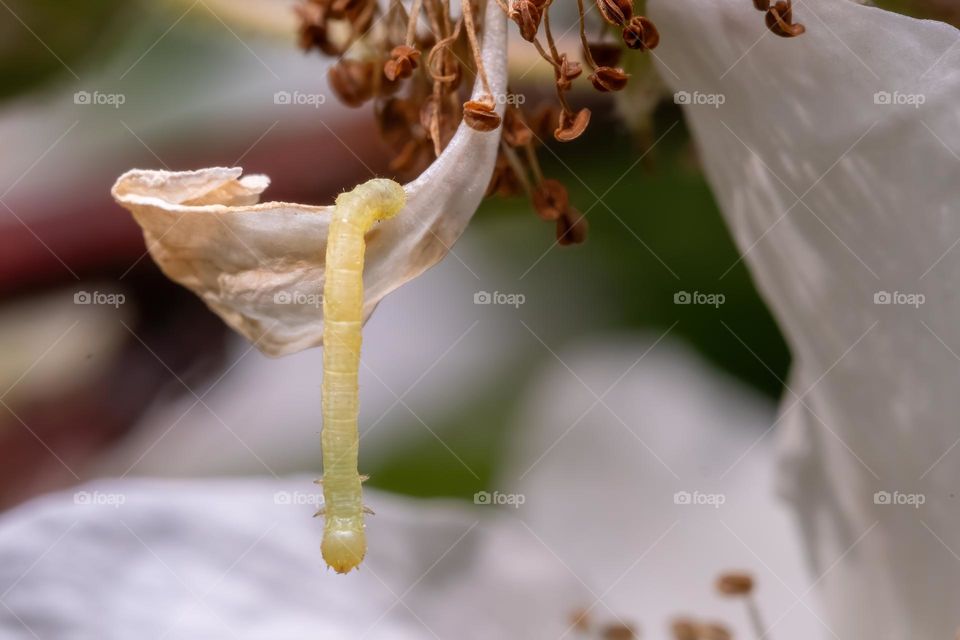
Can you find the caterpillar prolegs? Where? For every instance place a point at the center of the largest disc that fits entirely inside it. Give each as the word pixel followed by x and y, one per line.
pixel 344 542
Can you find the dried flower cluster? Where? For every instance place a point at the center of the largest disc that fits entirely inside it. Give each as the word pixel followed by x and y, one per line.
pixel 780 17
pixel 410 60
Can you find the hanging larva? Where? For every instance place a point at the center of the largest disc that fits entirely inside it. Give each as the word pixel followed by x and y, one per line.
pixel 344 542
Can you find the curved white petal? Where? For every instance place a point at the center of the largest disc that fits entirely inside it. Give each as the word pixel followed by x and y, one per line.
pixel 835 161
pixel 261 266
pixel 241 558
pixel 601 482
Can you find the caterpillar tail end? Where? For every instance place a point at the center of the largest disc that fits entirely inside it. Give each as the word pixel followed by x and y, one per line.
pixel 343 550
pixel 381 197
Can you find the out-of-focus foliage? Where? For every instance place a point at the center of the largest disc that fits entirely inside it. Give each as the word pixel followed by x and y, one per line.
pixel 35 33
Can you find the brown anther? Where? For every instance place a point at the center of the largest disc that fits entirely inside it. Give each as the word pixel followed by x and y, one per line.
pixel 568 71
pixel 352 81
pixel 572 228
pixel 609 79
pixel 780 20
pixel 580 620
pixel 359 13
pixel 516 133
pixel 713 631
pixel 616 12
pixel 684 629
pixel 761 5
pixel 735 584
pixel 527 14
pixel 572 125
pixel 480 115
pixel 544 122
pixel 641 34
pixel 504 181
pixel 403 60
pixel 606 54
pixel 312 33
pixel 550 199
pixel 618 632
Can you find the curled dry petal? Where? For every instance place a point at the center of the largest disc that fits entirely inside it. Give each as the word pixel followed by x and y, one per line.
pixel 609 79
pixel 260 267
pixel 572 125
pixel 481 114
pixel 641 34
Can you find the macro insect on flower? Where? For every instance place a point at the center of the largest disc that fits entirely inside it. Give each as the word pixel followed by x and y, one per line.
pixel 262 267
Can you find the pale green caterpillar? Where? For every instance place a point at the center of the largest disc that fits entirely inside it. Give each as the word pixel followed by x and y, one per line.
pixel 344 542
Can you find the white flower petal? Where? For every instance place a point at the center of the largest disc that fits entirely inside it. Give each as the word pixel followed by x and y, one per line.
pixel 880 212
pixel 600 482
pixel 261 266
pixel 241 558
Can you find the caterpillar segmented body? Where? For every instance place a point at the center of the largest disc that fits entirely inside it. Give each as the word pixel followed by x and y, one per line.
pixel 344 541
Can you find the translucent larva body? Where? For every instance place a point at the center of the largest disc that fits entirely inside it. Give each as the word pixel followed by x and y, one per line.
pixel 344 542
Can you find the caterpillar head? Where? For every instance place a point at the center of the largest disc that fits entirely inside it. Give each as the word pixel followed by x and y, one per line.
pixel 374 200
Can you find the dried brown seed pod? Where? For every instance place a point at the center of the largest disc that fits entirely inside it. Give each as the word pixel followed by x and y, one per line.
pixel 569 71
pixel 527 14
pixel 606 54
pixel 544 122
pixel 618 632
pixel 572 227
pixel 780 20
pixel 403 60
pixel 516 133
pixel 572 125
pixel 609 79
pixel 684 629
pixel 735 584
pixel 641 34
pixel 480 115
pixel 713 631
pixel 580 620
pixel 352 81
pixel 616 12
pixel 504 181
pixel 312 32
pixel 550 199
